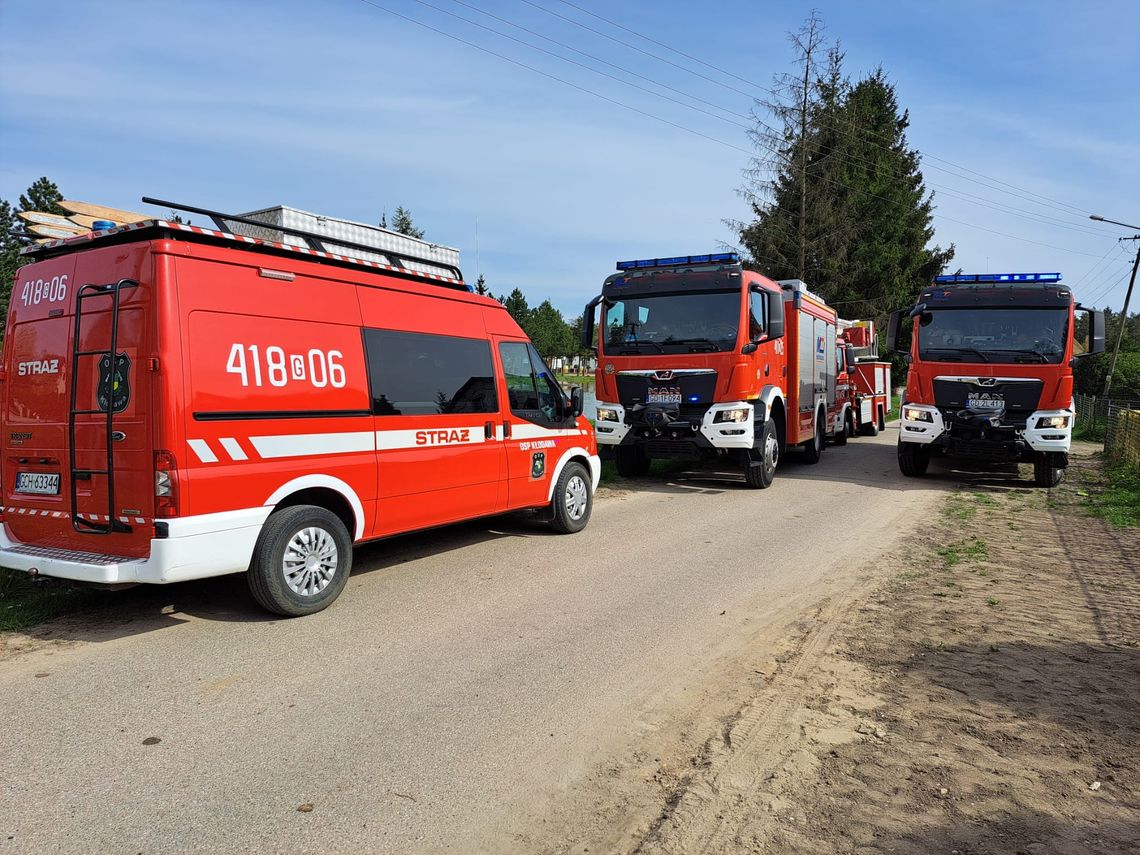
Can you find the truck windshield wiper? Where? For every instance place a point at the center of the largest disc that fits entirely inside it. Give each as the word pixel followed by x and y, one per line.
pixel 628 346
pixel 976 353
pixel 1040 356
pixel 704 341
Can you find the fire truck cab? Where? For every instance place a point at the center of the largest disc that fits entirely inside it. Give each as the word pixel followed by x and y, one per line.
pixel 991 371
pixel 698 358
pixel 183 402
pixel 864 382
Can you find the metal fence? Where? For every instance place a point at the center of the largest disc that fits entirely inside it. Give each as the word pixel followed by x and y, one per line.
pixel 1115 421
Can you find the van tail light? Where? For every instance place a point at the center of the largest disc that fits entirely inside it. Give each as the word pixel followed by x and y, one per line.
pixel 165 485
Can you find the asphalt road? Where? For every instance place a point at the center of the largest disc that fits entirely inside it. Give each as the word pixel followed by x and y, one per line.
pixel 464 672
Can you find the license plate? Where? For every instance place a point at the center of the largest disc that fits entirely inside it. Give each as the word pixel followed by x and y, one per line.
pixel 985 401
pixel 43 483
pixel 663 395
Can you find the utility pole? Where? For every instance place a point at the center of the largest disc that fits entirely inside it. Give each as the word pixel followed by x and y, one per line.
pixel 1123 317
pixel 1127 298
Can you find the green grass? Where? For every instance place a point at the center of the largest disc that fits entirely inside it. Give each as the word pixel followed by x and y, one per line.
pixel 24 603
pixel 1119 502
pixel 973 549
pixel 567 380
pixel 893 412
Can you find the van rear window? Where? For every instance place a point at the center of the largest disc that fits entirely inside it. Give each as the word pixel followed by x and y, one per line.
pixel 416 374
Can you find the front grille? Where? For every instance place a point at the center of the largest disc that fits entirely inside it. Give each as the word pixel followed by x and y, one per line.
pixel 983 449
pixel 665 449
pixel 633 389
pixel 1020 396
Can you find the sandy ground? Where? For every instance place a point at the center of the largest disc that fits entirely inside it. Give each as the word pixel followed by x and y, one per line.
pixel 983 698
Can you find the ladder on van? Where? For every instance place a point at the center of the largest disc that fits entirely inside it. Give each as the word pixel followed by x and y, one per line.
pixel 82 524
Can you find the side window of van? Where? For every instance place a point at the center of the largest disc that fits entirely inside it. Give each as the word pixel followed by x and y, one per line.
pixel 531 389
pixel 414 374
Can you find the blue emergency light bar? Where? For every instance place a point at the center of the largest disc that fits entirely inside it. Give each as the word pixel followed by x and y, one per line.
pixel 679 260
pixel 998 278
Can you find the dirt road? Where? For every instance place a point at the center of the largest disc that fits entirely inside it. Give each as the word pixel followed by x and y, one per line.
pixel 476 687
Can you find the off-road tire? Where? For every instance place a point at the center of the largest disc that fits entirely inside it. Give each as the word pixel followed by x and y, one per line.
pixel 760 463
pixel 283 530
pixel 1045 474
pixel 632 461
pixel 913 459
pixel 882 425
pixel 573 499
pixel 813 450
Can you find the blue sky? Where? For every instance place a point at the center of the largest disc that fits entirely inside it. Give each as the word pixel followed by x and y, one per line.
pixel 341 108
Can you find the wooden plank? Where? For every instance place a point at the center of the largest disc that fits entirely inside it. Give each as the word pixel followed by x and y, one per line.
pixel 46 219
pixel 57 232
pixel 101 212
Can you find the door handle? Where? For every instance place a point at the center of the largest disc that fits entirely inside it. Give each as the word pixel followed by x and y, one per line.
pixel 488 430
pixel 506 429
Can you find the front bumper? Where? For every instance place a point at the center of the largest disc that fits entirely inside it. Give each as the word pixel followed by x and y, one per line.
pixel 1008 443
pixel 196 548
pixel 632 429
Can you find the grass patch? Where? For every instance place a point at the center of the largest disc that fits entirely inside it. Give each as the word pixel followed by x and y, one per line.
pixel 957 508
pixel 992 602
pixel 983 499
pixel 24 603
pixel 1119 502
pixel 973 549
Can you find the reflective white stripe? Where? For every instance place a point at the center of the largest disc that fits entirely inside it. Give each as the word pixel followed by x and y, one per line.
pixel 390 440
pixel 302 445
pixel 233 449
pixel 531 431
pixel 203 450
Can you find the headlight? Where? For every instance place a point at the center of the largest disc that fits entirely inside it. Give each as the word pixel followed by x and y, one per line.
pixel 1055 422
pixel 740 414
pixel 607 414
pixel 914 414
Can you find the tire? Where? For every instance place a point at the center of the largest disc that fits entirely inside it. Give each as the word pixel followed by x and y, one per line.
pixel 913 459
pixel 759 474
pixel 301 562
pixel 813 450
pixel 1045 474
pixel 573 500
pixel 632 461
pixel 841 435
pixel 882 419
pixel 869 429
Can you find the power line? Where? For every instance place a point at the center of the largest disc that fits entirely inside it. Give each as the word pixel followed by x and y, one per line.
pixel 665 121
pixel 850 159
pixel 1097 264
pixel 1052 202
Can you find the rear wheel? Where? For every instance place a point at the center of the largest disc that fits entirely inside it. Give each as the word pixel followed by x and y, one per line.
pixel 913 459
pixel 813 450
pixel 573 500
pixel 847 430
pixel 632 461
pixel 882 419
pixel 301 562
pixel 760 463
pixel 1045 474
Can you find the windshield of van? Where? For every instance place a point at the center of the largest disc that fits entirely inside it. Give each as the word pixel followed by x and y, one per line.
pixel 704 321
pixel 984 334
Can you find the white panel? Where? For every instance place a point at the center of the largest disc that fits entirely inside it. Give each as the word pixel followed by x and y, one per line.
pixel 302 445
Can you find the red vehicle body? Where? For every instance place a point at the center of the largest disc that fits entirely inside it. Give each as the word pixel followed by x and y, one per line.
pixel 224 404
pixel 991 371
pixel 698 357
pixel 864 382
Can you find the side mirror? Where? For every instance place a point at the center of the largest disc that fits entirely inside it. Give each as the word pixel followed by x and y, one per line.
pixel 849 356
pixel 588 324
pixel 917 310
pixel 893 331
pixel 1096 332
pixel 751 347
pixel 577 401
pixel 775 314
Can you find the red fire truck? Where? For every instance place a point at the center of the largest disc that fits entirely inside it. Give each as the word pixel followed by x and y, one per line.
pixel 991 376
pixel 698 357
pixel 864 382
pixel 182 402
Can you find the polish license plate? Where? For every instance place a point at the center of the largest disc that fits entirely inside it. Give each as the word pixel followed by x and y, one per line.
pixel 41 483
pixel 985 401
pixel 663 395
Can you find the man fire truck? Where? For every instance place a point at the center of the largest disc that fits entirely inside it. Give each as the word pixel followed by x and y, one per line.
pixel 182 402
pixel 698 357
pixel 864 382
pixel 991 371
